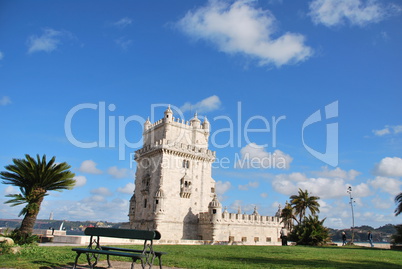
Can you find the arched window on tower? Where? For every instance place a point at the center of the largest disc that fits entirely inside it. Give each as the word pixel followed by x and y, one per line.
pixel 185 187
pixel 186 164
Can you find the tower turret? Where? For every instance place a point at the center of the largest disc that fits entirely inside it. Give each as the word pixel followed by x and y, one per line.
pixel 279 212
pixel 168 115
pixel 147 124
pixel 195 122
pixel 255 211
pixel 215 209
pixel 206 124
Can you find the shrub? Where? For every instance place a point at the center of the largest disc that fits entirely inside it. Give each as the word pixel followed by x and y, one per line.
pixel 310 232
pixel 5 248
pixel 397 238
pixel 23 238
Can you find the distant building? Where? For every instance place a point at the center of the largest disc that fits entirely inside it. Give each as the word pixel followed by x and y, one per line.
pixel 51 216
pixel 175 192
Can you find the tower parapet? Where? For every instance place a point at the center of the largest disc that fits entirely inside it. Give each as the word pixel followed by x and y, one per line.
pixel 176 148
pixel 206 217
pixel 181 123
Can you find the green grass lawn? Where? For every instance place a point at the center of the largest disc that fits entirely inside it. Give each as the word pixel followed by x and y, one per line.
pixel 226 257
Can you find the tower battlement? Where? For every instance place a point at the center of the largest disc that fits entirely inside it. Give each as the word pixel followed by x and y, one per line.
pixel 177 148
pixel 176 130
pixel 236 218
pixel 178 122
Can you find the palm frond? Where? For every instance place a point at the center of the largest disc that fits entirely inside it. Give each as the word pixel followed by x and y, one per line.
pixel 398 201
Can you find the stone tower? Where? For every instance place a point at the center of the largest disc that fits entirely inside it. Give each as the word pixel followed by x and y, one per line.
pixel 173 182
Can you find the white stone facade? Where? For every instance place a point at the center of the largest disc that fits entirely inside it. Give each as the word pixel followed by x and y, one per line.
pixel 175 192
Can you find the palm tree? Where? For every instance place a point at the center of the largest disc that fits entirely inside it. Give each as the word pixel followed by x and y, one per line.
pixel 287 216
pixel 302 202
pixel 35 178
pixel 398 201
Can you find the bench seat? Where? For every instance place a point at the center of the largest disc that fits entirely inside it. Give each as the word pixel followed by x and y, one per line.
pixel 133 256
pixel 158 254
pixel 107 252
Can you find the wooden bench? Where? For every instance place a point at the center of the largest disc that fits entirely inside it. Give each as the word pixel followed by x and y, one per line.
pixel 94 249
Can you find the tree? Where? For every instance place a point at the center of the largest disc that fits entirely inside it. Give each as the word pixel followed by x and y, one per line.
pixel 287 216
pixel 35 178
pixel 398 201
pixel 303 202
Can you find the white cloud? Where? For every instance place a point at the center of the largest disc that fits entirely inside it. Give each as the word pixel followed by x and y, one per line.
pixel 89 166
pixel 356 12
pixel 80 181
pixel 296 176
pixel 5 100
pixel 96 198
pixel 94 208
pixel 264 195
pixel 382 131
pixel 380 203
pixel 379 219
pixel 222 187
pixel 337 173
pixel 361 190
pixel 241 28
pixel 123 42
pixel 248 185
pixel 397 129
pixel 388 129
pixel 336 223
pixel 1 55
pixel 123 22
pixel 10 190
pixel 238 204
pixel 389 167
pixel 325 188
pixel 47 42
pixel 387 184
pixel 255 156
pixel 128 189
pixel 206 105
pixel 102 191
pixel 118 173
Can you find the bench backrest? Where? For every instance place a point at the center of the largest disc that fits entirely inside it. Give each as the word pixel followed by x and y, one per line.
pixel 123 233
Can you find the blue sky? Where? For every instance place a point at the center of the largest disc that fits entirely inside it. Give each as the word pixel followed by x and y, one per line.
pixel 299 94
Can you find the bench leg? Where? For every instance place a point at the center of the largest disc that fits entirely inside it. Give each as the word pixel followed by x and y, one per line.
pixel 133 263
pixel 160 262
pixel 76 260
pixel 89 260
pixel 108 262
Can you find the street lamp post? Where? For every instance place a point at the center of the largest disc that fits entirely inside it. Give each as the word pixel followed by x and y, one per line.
pixel 353 216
